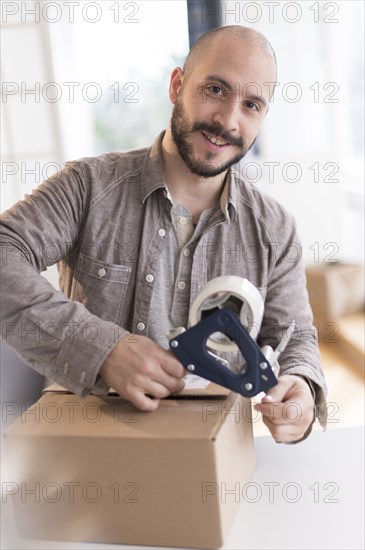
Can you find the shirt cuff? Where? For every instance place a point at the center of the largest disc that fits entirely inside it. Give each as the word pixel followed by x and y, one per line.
pixel 80 360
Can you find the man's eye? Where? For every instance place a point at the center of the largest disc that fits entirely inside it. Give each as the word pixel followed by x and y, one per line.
pixel 215 90
pixel 251 106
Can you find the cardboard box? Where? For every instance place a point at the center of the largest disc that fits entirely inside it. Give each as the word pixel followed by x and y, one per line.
pixel 335 290
pixel 97 469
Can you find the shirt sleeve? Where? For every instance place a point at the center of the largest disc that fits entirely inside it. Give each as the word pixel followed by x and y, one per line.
pixel 287 301
pixel 56 336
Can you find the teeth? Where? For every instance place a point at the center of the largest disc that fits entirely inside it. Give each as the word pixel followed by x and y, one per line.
pixel 215 140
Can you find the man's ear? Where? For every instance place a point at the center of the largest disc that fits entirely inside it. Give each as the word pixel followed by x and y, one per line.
pixel 176 81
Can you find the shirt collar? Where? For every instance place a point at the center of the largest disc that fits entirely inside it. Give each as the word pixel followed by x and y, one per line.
pixel 152 173
pixel 153 179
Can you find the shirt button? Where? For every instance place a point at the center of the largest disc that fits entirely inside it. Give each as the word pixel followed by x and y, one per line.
pixel 182 220
pixel 149 278
pixel 101 272
pixel 181 285
pixel 141 326
pixel 186 252
pixel 161 232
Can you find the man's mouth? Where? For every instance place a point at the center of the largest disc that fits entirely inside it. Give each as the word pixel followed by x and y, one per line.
pixel 215 140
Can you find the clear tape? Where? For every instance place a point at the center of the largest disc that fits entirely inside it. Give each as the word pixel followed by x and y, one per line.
pixel 229 286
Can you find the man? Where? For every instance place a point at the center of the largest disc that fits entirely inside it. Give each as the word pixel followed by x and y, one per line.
pixel 138 234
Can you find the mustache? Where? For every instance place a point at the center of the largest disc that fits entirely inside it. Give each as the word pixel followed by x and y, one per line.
pixel 217 131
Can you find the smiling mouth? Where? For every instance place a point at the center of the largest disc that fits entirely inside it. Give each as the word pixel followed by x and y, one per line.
pixel 215 140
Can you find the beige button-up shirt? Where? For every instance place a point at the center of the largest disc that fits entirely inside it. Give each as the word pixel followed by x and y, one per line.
pixel 131 261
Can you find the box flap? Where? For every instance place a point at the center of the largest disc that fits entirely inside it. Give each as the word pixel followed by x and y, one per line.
pixel 62 414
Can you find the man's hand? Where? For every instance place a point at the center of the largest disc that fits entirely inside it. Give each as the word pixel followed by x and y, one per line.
pixel 288 409
pixel 137 366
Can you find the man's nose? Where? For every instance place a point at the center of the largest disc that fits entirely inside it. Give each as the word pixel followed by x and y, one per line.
pixel 227 115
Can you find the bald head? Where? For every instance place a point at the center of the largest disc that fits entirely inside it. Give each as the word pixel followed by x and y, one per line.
pixel 244 36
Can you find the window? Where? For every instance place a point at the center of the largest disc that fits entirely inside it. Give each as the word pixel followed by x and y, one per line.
pixel 120 67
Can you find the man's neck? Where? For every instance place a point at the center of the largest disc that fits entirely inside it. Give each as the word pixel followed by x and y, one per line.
pixel 194 192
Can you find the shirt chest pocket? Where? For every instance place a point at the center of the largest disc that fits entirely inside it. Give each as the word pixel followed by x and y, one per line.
pixel 100 287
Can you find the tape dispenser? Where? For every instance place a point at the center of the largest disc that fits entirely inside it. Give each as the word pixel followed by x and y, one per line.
pixel 225 316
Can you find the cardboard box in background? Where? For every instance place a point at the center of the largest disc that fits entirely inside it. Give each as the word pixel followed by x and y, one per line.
pixel 335 290
pixel 337 294
pixel 97 469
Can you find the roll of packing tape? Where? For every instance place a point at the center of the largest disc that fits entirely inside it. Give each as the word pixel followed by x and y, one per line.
pixel 236 294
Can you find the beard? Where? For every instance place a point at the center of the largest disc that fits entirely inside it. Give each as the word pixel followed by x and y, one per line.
pixel 180 131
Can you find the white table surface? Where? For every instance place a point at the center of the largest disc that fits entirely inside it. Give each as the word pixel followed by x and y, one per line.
pixel 306 496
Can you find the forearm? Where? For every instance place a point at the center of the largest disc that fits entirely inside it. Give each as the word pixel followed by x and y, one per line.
pixel 287 301
pixel 57 337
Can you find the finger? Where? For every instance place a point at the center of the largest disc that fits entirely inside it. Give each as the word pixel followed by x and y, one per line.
pixel 172 366
pixel 290 387
pixel 179 388
pixel 143 402
pixel 278 392
pixel 266 399
pixel 285 429
pixel 180 385
pixel 275 412
pixel 155 389
pixel 285 433
pixel 288 412
pixel 160 376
